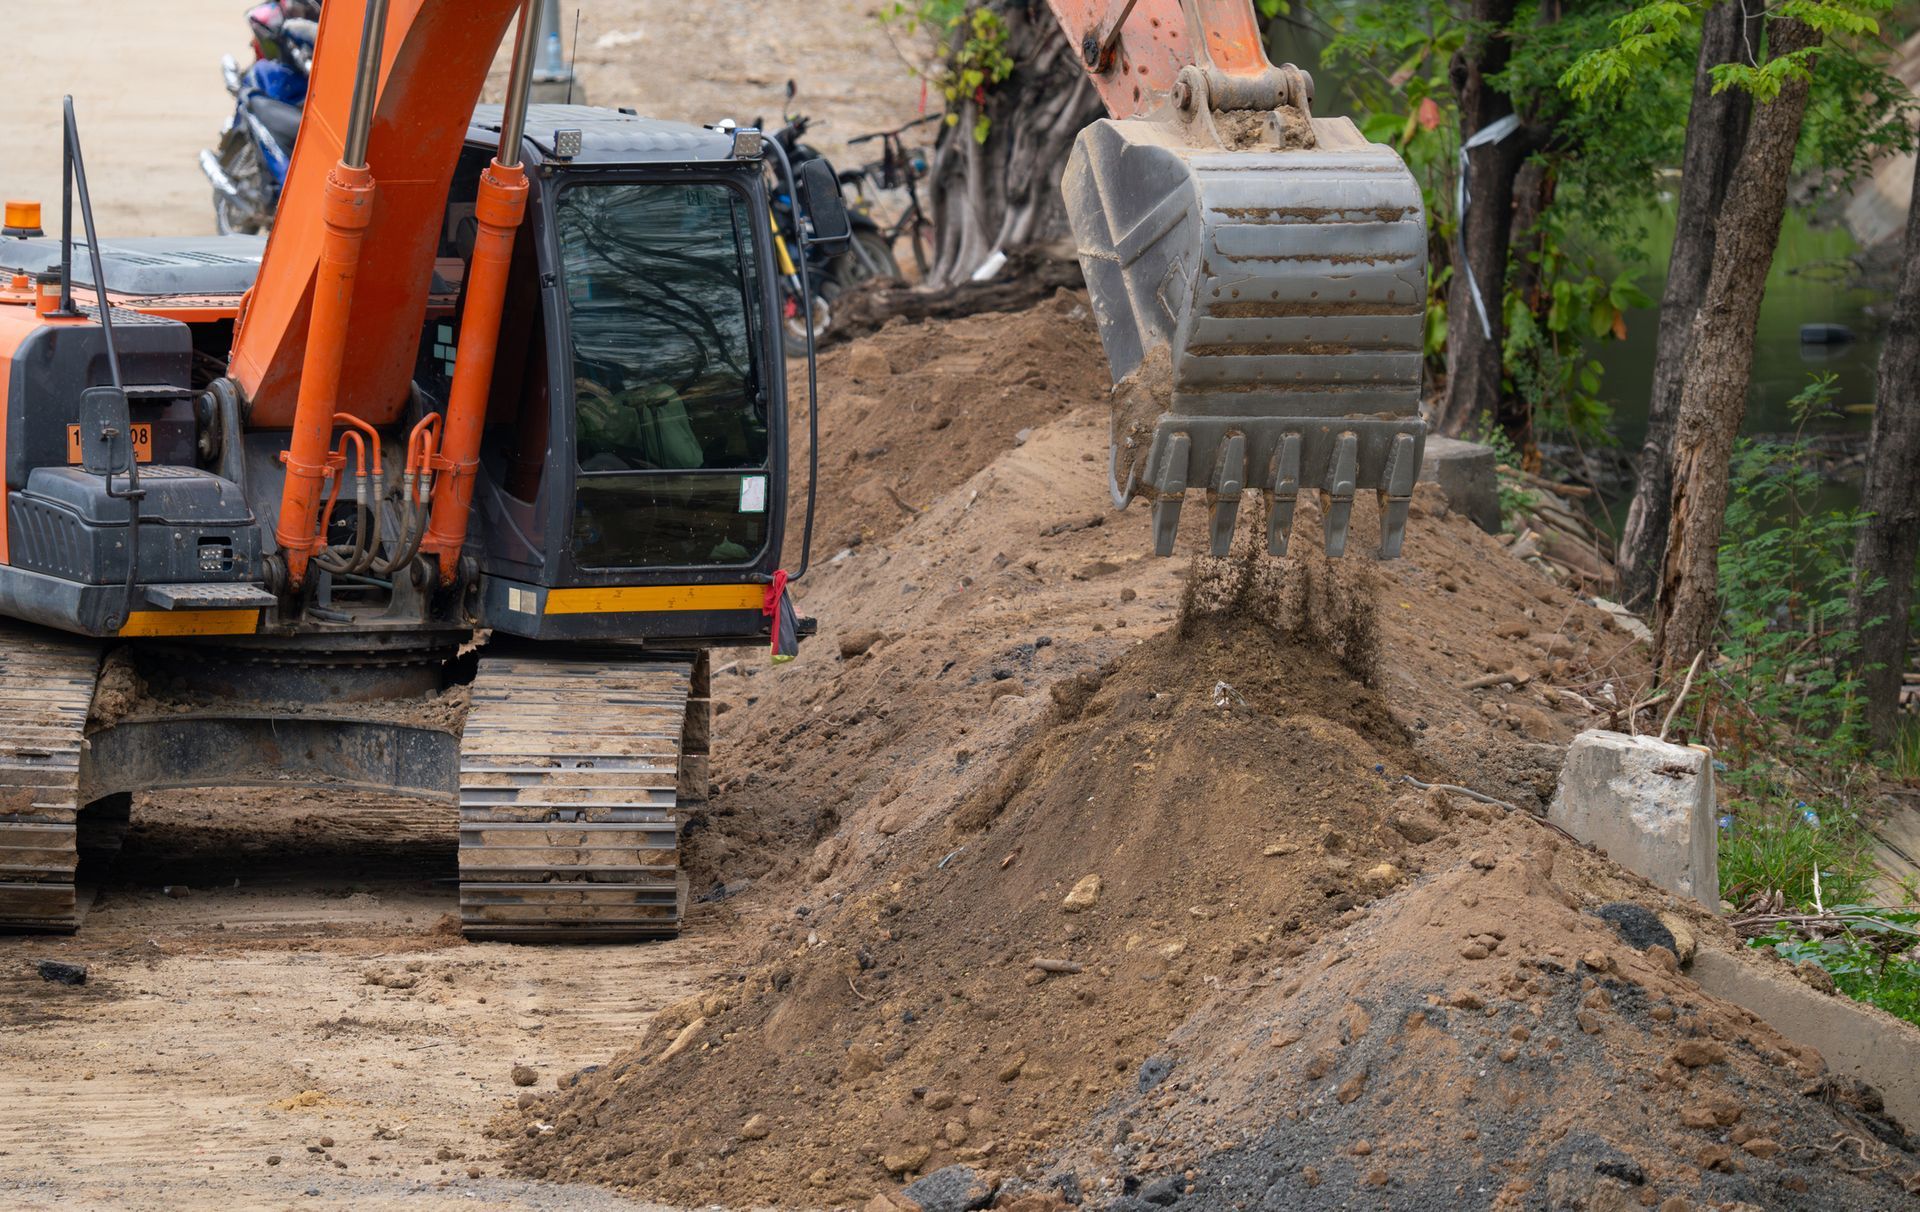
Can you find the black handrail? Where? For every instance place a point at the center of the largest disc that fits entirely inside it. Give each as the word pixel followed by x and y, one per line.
pixel 74 171
pixel 813 384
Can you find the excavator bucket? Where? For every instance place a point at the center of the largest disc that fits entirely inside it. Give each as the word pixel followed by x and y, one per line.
pixel 1259 278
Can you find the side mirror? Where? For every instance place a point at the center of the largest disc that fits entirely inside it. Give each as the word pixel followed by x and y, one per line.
pixel 106 446
pixel 792 90
pixel 825 208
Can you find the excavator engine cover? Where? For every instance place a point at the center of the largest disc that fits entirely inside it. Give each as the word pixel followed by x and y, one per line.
pixel 1261 276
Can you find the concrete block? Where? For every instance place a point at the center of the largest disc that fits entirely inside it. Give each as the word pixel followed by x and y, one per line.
pixel 1464 471
pixel 1648 804
pixel 1856 1041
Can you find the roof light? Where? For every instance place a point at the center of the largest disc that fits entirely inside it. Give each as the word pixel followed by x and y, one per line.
pixel 747 144
pixel 566 143
pixel 23 219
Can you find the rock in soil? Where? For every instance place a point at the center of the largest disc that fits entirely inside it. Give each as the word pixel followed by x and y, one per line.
pixel 62 973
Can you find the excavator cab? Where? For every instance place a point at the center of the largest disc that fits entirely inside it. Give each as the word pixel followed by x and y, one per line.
pixel 637 416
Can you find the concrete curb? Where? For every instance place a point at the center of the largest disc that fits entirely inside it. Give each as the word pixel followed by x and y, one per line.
pixel 1856 1041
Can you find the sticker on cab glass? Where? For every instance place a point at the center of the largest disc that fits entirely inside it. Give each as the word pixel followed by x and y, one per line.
pixel 753 494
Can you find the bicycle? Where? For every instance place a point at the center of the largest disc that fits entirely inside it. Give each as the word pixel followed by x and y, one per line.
pixel 899 169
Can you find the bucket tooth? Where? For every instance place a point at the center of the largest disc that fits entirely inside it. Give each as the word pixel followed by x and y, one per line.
pixel 1286 493
pixel 1229 481
pixel 1403 464
pixel 1168 462
pixel 1341 479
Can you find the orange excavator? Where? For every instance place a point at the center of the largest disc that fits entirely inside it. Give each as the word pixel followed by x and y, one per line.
pixel 447 488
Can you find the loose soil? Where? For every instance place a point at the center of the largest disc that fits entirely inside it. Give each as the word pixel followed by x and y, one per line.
pixel 1010 701
pixel 279 1012
pixel 915 410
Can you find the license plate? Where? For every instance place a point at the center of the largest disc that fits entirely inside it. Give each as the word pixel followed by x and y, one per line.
pixel 142 443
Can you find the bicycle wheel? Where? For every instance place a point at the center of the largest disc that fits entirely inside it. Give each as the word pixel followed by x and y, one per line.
pixel 868 256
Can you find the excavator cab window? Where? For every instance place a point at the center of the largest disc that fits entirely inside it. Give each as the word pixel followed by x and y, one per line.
pixel 671 427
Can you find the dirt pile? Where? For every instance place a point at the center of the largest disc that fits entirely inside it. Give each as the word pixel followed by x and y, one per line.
pixel 1006 746
pixel 915 409
pixel 1478 1039
pixel 1191 816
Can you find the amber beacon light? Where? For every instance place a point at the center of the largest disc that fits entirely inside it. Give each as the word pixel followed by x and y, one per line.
pixel 22 220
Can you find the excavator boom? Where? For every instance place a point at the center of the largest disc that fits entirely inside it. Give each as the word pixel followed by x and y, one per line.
pixel 433 60
pixel 1258 274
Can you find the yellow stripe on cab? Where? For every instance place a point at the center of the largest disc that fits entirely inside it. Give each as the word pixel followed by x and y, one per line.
pixel 637 599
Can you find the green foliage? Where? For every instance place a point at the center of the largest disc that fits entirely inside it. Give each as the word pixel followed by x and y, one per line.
pixel 1857 114
pixel 1602 159
pixel 1790 727
pixel 1649 33
pixel 1903 759
pixel 1774 844
pixel 1515 498
pixel 1873 959
pixel 1547 364
pixel 1786 626
pixel 973 55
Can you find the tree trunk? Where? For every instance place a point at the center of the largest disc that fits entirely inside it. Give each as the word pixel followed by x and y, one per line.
pixel 1005 193
pixel 1887 545
pixel 1533 189
pixel 1475 333
pixel 1475 329
pixel 1719 361
pixel 1716 129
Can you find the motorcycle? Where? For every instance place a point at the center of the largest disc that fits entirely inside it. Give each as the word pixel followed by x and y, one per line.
pixel 868 256
pixel 249 167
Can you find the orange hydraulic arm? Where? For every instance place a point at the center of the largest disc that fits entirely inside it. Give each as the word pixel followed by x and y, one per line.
pixel 1135 49
pixel 433 62
pixel 330 329
pixel 348 202
pixel 499 207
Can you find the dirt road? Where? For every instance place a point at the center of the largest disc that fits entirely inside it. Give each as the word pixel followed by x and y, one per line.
pixel 304 1001
pixel 146 88
pixel 732 59
pixel 695 63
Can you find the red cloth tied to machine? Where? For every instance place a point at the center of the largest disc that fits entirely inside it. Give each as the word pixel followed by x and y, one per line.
pixel 786 624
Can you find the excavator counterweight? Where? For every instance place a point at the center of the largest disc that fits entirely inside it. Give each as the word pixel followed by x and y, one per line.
pixel 1258 274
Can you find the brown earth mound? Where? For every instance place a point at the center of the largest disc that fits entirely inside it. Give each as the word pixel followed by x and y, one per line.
pixel 915 409
pixel 1477 1040
pixel 1003 702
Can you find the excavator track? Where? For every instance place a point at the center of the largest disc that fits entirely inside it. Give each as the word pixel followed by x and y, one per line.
pixel 571 769
pixel 46 689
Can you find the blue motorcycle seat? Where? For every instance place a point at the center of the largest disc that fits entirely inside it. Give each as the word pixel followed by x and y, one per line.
pixel 281 120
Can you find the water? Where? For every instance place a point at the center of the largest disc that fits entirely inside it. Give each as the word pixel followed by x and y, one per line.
pixel 1812 282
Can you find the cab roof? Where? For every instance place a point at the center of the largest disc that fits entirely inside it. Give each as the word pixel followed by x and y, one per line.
pixel 608 136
